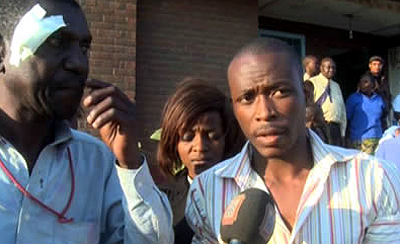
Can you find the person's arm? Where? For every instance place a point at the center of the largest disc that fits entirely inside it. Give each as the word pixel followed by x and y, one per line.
pixel 343 117
pixel 196 215
pixel 385 227
pixel 385 112
pixel 350 105
pixel 148 216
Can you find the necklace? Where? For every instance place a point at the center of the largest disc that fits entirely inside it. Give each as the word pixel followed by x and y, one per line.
pixel 60 216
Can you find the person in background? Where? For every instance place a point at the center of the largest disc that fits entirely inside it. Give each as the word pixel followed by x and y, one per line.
pixel 59 185
pixel 389 149
pixel 365 110
pixel 328 95
pixel 308 88
pixel 390 132
pixel 310 66
pixel 314 115
pixel 198 130
pixel 381 85
pixel 322 193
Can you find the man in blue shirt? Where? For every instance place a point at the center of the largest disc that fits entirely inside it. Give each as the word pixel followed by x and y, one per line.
pixel 364 110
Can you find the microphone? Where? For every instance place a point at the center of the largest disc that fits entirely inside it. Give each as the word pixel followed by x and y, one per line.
pixel 249 218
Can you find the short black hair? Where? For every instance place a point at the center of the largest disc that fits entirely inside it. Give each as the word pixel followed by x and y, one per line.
pixel 262 46
pixel 307 59
pixel 11 11
pixel 327 59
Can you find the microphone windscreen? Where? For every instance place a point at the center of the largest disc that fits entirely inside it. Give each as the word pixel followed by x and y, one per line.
pixel 249 218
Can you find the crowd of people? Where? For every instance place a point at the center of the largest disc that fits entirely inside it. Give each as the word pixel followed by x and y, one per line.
pixel 282 131
pixel 361 121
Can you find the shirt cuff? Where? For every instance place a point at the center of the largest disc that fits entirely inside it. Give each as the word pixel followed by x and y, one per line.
pixel 140 178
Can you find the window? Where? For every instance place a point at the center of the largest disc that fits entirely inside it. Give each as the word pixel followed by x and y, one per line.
pixel 298 42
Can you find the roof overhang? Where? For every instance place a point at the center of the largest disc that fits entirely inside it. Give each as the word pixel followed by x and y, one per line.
pixel 380 18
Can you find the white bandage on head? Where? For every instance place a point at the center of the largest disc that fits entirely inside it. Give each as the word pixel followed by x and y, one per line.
pixel 31 31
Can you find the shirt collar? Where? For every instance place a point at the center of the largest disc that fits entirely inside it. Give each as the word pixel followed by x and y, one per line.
pixel 63 132
pixel 189 179
pixel 373 95
pixel 239 167
pixel 323 155
pixel 322 79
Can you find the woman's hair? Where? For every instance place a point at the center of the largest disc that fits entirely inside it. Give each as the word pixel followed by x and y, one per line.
pixel 192 98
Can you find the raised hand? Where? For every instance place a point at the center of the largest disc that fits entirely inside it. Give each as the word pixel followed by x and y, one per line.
pixel 113 114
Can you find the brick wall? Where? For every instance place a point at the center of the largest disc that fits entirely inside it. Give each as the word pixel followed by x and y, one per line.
pixel 178 38
pixel 171 39
pixel 113 53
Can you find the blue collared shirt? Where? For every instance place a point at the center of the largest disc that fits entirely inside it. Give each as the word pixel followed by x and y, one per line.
pixel 364 116
pixel 110 205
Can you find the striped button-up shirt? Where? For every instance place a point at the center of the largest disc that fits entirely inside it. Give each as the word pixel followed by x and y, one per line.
pixel 349 197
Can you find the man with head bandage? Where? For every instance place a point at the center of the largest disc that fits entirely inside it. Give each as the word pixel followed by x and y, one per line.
pixel 58 185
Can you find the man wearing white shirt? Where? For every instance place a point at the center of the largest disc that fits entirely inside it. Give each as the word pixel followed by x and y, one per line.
pixel 322 193
pixel 328 95
pixel 58 185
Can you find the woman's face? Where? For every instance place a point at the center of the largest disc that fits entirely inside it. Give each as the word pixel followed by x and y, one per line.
pixel 202 145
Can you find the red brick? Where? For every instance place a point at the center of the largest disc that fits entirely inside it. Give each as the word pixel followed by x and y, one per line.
pixel 178 38
pixel 145 47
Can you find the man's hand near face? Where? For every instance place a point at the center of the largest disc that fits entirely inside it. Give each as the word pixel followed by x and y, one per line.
pixel 113 114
